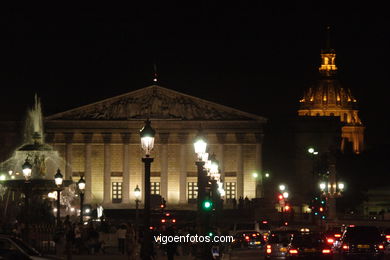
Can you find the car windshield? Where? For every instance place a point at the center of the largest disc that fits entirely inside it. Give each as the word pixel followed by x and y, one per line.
pixel 26 248
pixel 363 234
pixel 280 237
pixel 307 240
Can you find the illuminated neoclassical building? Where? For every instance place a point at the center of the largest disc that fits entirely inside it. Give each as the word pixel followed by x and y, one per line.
pixel 327 97
pixel 101 142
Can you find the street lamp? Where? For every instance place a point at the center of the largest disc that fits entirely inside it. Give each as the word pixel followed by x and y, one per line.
pixel 26 169
pixel 81 186
pixel 137 195
pixel 285 195
pixel 58 179
pixel 322 186
pixel 282 187
pixel 147 134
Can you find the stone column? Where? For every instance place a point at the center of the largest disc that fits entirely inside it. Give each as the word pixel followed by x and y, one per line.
pixel 126 168
pixel 259 165
pixel 68 155
pixel 164 165
pixel 183 168
pixel 240 172
pixel 221 149
pixel 87 167
pixel 107 168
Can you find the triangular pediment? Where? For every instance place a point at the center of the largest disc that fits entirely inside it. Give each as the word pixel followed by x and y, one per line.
pixel 154 102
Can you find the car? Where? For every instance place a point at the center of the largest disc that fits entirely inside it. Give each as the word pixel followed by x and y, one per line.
pixel 12 248
pixel 362 241
pixel 276 246
pixel 311 245
pixel 333 236
pixel 248 239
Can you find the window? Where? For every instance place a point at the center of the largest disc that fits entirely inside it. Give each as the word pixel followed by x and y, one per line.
pixel 116 192
pixel 230 190
pixel 192 194
pixel 155 188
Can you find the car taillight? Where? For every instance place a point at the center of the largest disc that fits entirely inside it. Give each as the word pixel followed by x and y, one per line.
pixel 388 237
pixel 381 247
pixel 293 251
pixel 345 247
pixel 326 251
pixel 337 235
pixel 247 238
pixel 330 240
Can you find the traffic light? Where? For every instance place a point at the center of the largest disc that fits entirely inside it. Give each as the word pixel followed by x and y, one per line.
pixel 207 205
pixel 280 197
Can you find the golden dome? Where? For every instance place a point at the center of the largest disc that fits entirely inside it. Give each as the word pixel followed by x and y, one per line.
pixel 327 93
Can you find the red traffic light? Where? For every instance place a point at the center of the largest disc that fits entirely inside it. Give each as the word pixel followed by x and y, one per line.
pixel 280 197
pixel 321 209
pixel 173 220
pixel 162 206
pixel 287 208
pixel 163 220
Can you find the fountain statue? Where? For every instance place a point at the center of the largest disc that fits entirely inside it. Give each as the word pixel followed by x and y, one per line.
pixel 44 161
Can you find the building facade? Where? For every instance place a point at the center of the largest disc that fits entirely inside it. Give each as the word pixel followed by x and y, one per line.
pixel 101 142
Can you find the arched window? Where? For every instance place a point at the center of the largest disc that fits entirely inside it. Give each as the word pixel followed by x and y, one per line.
pixel 326 61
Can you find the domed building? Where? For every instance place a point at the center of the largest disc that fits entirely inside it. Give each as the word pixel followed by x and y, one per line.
pixel 327 97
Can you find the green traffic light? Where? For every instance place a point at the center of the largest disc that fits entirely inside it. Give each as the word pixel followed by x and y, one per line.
pixel 207 205
pixel 211 234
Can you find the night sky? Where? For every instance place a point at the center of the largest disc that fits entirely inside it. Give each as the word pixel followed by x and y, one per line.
pixel 253 57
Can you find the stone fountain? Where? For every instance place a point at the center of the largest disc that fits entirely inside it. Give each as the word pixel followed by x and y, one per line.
pixel 43 158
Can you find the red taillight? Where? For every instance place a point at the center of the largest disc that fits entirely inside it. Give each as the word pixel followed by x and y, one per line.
pixel 293 251
pixel 173 220
pixel 381 247
pixel 388 237
pixel 326 251
pixel 269 250
pixel 247 238
pixel 345 247
pixel 254 235
pixel 330 240
pixel 265 237
pixel 337 235
pixel 163 221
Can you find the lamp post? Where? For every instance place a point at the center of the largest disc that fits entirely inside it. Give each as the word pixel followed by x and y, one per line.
pixel 200 145
pixel 137 195
pixel 81 186
pixel 147 134
pixel 27 169
pixel 58 179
